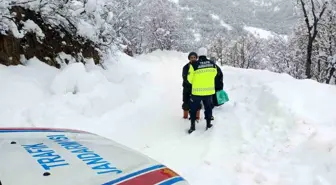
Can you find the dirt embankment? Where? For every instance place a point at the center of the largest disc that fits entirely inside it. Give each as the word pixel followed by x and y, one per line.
pixel 56 40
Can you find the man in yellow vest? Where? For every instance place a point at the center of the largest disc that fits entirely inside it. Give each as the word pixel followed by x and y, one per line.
pixel 202 74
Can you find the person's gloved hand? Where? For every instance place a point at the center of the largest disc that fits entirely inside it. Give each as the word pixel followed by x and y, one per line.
pixel 185 106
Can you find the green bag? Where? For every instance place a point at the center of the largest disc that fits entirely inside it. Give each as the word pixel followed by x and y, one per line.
pixel 222 97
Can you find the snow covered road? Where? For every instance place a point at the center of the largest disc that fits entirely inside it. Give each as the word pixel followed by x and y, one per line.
pixel 274 131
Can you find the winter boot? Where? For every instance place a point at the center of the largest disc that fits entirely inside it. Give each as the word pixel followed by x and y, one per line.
pixel 212 118
pixel 185 114
pixel 198 115
pixel 192 127
pixel 208 124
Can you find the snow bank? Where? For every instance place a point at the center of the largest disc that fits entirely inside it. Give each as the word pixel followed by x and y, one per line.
pixel 297 123
pixel 309 99
pixel 275 129
pixel 37 94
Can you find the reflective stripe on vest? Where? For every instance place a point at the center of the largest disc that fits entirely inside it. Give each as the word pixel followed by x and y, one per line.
pixel 206 70
pixel 203 89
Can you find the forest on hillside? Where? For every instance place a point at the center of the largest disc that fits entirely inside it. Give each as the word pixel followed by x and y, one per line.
pixel 59 31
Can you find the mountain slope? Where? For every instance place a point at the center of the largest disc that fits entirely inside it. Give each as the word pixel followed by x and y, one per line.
pixel 274 15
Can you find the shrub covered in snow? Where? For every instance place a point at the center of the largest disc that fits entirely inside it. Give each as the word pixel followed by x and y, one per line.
pixel 135 26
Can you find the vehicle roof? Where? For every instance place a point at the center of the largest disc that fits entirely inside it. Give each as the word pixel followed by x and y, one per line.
pixel 42 156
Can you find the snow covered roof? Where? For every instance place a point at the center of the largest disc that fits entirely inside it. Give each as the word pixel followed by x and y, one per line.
pixel 39 156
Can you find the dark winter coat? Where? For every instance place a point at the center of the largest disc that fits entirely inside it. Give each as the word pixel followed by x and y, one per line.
pixel 186 88
pixel 185 72
pixel 219 84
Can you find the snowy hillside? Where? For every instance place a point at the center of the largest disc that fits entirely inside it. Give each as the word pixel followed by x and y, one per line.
pixel 273 15
pixel 275 130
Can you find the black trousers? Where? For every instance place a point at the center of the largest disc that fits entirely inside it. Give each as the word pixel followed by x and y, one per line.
pixel 195 102
pixel 186 96
pixel 186 99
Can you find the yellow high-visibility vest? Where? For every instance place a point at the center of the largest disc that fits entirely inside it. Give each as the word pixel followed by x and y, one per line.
pixel 202 78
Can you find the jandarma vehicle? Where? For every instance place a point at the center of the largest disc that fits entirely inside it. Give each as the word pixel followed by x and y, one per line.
pixel 45 156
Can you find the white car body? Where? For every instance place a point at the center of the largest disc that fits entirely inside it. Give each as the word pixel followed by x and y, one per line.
pixel 41 156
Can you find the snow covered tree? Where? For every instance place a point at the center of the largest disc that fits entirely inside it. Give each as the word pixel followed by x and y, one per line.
pixel 326 44
pixel 158 25
pixel 278 55
pixel 287 55
pixel 5 17
pixel 245 52
pixel 219 47
pixel 312 12
pixel 127 22
pixel 330 75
